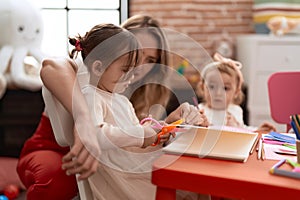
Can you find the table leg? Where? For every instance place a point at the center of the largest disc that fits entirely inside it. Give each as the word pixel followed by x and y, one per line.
pixel 165 194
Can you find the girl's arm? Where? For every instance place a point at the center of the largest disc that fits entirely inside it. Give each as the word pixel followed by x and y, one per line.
pixel 138 136
pixel 231 121
pixel 116 121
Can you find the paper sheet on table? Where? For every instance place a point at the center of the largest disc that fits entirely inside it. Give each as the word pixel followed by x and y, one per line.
pixel 270 148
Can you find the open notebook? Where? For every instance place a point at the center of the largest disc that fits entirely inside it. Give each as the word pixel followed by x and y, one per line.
pixel 213 143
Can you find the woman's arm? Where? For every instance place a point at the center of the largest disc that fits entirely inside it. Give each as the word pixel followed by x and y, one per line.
pixel 59 77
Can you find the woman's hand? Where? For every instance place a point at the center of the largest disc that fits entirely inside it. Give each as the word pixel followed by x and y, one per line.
pixel 79 160
pixel 189 113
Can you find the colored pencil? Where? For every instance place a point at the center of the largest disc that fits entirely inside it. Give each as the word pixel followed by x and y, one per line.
pixel 259 149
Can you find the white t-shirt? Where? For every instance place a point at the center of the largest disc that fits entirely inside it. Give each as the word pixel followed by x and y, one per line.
pixel 218 117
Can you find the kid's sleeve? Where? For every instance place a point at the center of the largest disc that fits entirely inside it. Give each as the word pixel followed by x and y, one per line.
pixel 110 136
pixel 124 132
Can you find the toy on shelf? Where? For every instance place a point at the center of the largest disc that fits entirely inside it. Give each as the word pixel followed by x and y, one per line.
pixel 280 25
pixel 184 64
pixel 189 72
pixel 224 46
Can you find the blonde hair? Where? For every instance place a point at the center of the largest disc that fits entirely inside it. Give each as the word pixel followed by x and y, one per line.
pixel 151 93
pixel 222 67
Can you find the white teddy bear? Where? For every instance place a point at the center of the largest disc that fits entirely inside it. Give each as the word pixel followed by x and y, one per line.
pixel 21 36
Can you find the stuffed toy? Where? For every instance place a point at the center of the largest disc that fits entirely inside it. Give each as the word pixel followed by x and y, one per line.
pixel 280 25
pixel 224 46
pixel 21 36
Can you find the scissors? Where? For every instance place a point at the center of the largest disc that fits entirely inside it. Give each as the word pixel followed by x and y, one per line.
pixel 164 129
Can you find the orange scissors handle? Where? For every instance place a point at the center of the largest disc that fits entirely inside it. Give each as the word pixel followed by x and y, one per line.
pixel 164 130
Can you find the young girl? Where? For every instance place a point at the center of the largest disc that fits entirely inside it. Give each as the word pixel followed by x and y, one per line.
pixel 221 89
pixel 125 168
pixel 124 165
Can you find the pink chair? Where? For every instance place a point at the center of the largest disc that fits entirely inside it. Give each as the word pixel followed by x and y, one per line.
pixel 284 96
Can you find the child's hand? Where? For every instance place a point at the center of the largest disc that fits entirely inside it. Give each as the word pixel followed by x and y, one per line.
pixel 165 137
pixel 205 122
pixel 150 136
pixel 231 120
pixel 266 127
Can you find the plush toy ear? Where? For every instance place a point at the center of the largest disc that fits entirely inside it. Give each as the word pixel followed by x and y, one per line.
pixel 97 68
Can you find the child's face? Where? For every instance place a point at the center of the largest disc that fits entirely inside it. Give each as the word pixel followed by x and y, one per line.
pixel 116 77
pixel 219 89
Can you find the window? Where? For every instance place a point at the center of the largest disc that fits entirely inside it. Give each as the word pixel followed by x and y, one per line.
pixel 63 18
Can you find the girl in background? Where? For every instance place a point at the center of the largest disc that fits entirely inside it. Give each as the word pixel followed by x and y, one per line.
pixel 221 89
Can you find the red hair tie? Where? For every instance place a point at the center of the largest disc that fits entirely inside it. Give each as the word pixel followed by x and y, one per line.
pixel 78 46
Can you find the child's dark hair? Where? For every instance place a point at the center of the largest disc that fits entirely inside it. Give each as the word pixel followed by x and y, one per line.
pixel 105 42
